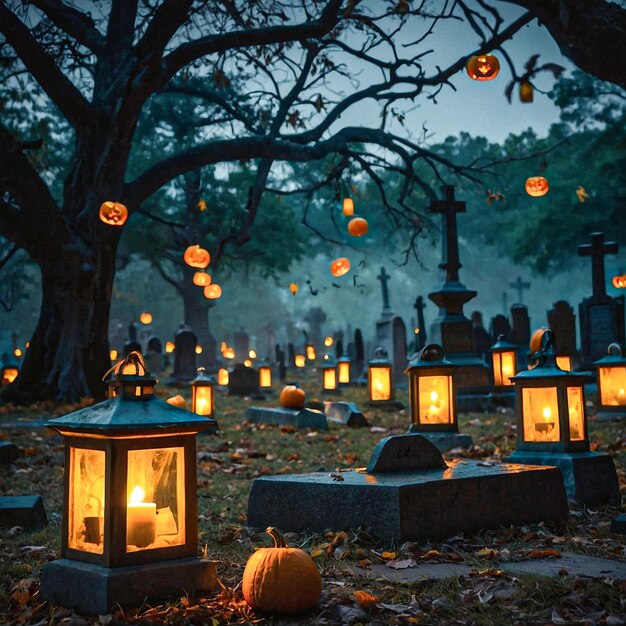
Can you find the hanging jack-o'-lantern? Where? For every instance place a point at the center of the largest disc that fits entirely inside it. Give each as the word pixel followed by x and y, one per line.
pixel 145 318
pixel 340 266
pixel 526 91
pixel 482 66
pixel 113 213
pixel 213 291
pixel 619 281
pixel 293 287
pixel 195 256
pixel 201 279
pixel 348 206
pixel 358 226
pixel 536 186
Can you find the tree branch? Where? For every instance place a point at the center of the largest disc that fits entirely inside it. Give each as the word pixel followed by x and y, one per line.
pixel 168 18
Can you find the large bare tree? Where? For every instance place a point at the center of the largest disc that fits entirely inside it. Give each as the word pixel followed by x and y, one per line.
pixel 283 81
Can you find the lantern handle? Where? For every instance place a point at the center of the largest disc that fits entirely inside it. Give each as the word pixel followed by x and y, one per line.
pixel 132 358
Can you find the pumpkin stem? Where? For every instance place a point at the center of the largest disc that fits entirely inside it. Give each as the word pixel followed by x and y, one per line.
pixel 275 534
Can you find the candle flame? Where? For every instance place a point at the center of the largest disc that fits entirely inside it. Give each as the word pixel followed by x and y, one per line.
pixel 547 413
pixel 621 392
pixel 434 396
pixel 137 495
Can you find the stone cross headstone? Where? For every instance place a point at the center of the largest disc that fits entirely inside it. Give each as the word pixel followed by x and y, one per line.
pixel 154 355
pixel 243 381
pixel 451 329
pixel 482 339
pixel 185 366
pixel 315 318
pixel 562 321
pixel 601 317
pixel 519 285
pixel 241 345
pixel 420 337
pixel 500 326
pixel 383 277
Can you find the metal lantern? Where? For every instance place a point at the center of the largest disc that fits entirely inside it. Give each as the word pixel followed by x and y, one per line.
pixel 202 397
pixel 329 375
pixel 265 375
pixel 130 499
pixel 380 381
pixel 550 404
pixel 432 392
pixel 222 377
pixel 612 383
pixel 343 370
pixel 503 363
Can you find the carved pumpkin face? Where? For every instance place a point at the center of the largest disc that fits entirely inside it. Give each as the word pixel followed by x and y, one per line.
pixel 213 291
pixel 202 279
pixel 340 266
pixel 536 186
pixel 619 282
pixel 358 226
pixel 482 67
pixel 113 213
pixel 195 256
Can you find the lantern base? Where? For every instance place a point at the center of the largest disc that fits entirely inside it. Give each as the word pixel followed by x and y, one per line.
pixel 93 589
pixel 589 477
pixel 300 418
pixel 386 405
pixel 444 441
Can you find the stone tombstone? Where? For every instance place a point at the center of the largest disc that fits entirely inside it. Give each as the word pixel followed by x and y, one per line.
pixel 155 345
pixel 500 326
pixel 520 334
pixel 154 355
pixel 280 362
pixel 144 333
pixel 482 339
pixel 339 348
pixel 315 318
pixel 405 453
pixel 243 381
pixel 241 345
pixel 131 346
pixel 337 337
pixel 358 362
pixel 398 354
pixel 185 365
pixel 291 353
pixel 601 317
pixel 351 351
pixel 562 321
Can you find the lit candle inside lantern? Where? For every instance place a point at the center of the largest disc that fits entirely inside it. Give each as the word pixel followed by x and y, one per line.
pixel 548 424
pixel 140 520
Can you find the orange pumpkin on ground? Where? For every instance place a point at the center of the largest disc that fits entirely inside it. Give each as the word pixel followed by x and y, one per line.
pixel 358 226
pixel 195 256
pixel 281 579
pixel 113 213
pixel 292 397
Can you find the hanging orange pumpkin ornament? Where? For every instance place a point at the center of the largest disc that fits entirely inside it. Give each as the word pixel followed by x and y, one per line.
pixel 113 213
pixel 482 66
pixel 293 287
pixel 340 266
pixel 536 186
pixel 145 318
pixel 201 279
pixel 526 91
pixel 195 256
pixel 348 206
pixel 619 281
pixel 281 579
pixel 213 291
pixel 358 226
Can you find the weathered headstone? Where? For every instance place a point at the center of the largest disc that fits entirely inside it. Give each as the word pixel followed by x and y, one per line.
pixel 185 367
pixel 562 320
pixel 339 348
pixel 154 355
pixel 241 345
pixel 520 333
pixel 451 329
pixel 282 416
pixel 291 352
pixel 410 493
pixel 25 511
pixel 398 351
pixel 482 339
pixel 358 363
pixel 520 286
pixel 500 326
pixel 280 363
pixel 601 317
pixel 243 381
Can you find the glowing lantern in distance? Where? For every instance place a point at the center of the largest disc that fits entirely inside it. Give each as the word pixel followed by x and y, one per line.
pixel 348 206
pixel 145 318
pixel 293 287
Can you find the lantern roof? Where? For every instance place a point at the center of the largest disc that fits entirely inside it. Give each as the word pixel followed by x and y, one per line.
pixel 615 357
pixel 546 366
pixel 430 356
pixel 501 345
pixel 381 358
pixel 202 378
pixel 343 359
pixel 122 414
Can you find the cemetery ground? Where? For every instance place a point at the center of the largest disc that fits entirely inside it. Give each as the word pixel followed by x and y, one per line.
pixel 469 579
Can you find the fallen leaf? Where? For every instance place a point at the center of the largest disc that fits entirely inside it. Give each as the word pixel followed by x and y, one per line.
pixel 366 600
pixel 401 563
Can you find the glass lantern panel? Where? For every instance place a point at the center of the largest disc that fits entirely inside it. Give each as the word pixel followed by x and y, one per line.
pixel 434 395
pixel 155 490
pixel 344 372
pixel 222 376
pixel 85 528
pixel 564 362
pixel 265 377
pixel 541 414
pixel 613 385
pixel 576 411
pixel 330 379
pixel 203 399
pixel 380 383
pixel 300 360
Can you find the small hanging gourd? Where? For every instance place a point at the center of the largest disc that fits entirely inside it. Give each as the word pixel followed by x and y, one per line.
pixel 358 226
pixel 195 256
pixel 213 291
pixel 536 186
pixel 348 206
pixel 281 579
pixel 292 397
pixel 340 266
pixel 482 66
pixel 526 91
pixel 113 213
pixel 293 287
pixel 201 279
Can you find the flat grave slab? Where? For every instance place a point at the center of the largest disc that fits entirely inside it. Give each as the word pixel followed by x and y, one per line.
pixel 300 418
pixel 410 503
pixel 345 413
pixel 25 511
